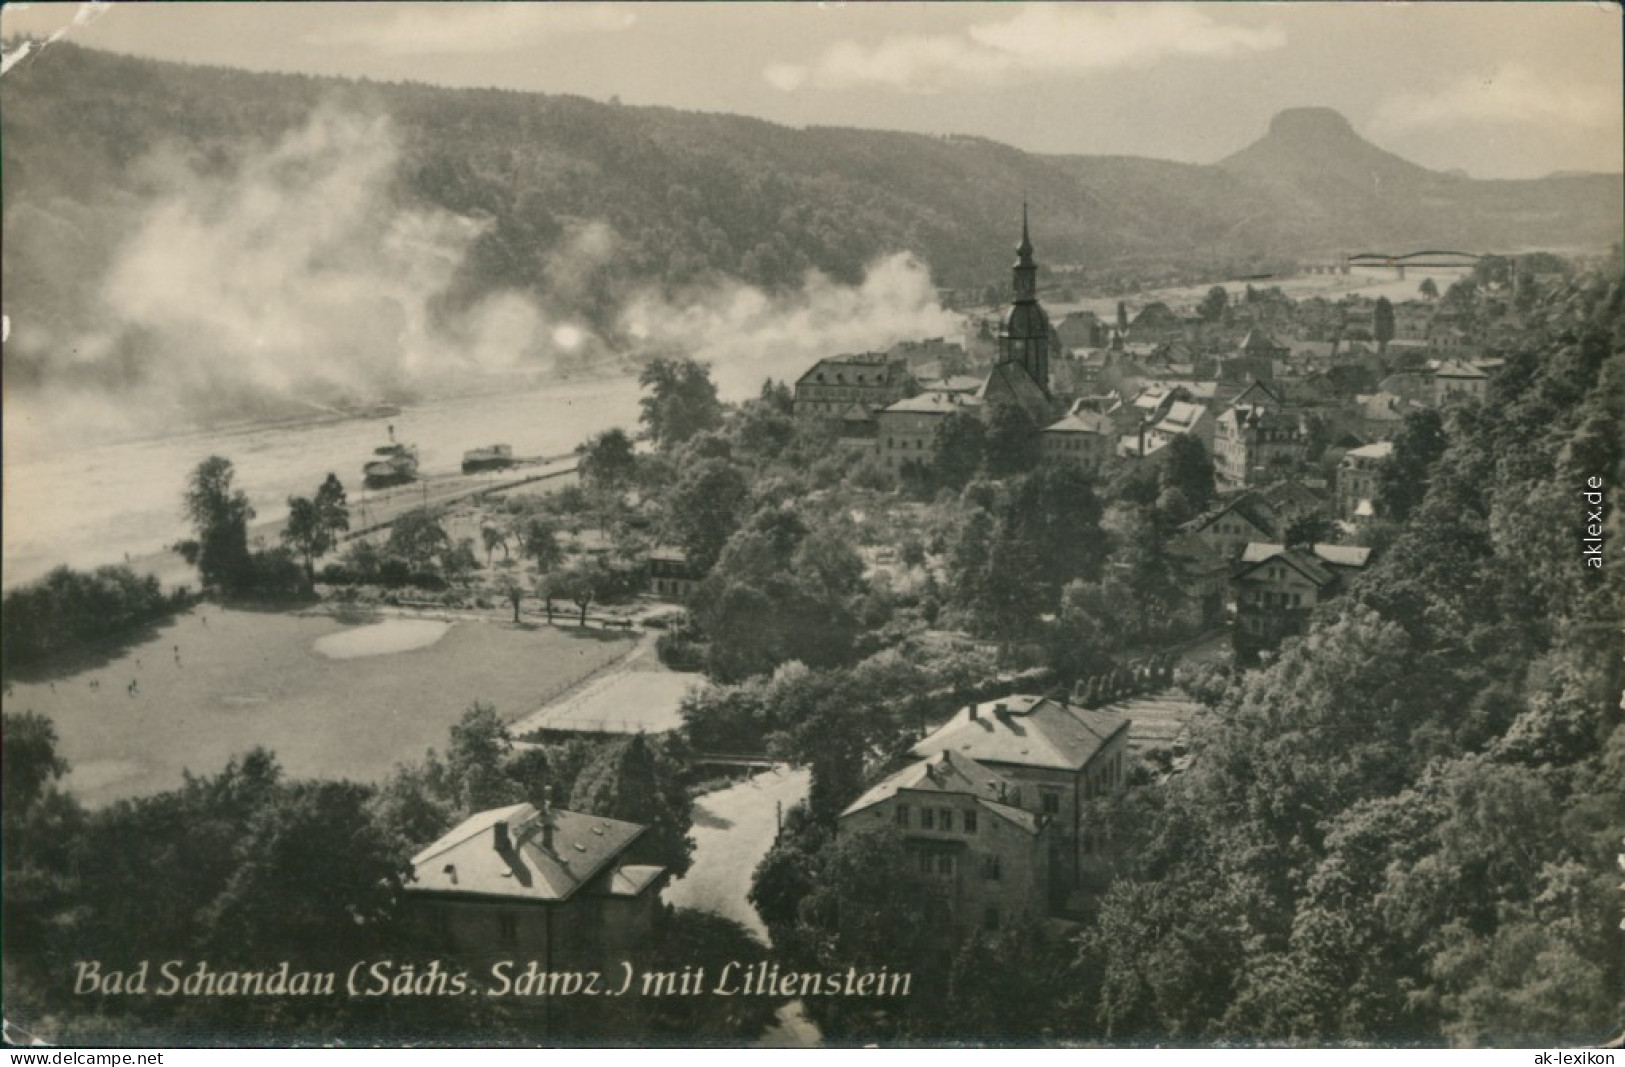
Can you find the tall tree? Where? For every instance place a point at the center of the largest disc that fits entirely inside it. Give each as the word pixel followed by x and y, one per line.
pixel 957 448
pixel 220 515
pixel 639 781
pixel 1382 324
pixel 607 460
pixel 705 508
pixel 315 524
pixel 1012 443
pixel 679 401
pixel 1213 305
pixel 1186 466
pixel 1402 480
pixel 418 537
pixel 1429 289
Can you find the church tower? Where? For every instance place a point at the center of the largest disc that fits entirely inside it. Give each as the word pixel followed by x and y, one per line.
pixel 1025 337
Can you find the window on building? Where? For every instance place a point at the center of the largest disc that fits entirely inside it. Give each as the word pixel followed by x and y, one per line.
pixel 1052 803
pixel 945 863
pixel 970 822
pixel 991 869
pixel 508 929
pixel 925 863
pixel 947 818
pixel 902 816
pixel 928 819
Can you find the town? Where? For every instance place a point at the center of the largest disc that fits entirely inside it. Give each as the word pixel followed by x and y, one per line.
pixel 990 591
pixel 1088 526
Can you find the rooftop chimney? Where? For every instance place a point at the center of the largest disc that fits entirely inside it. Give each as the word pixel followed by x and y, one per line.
pixel 975 713
pixel 450 871
pixel 547 830
pixel 500 834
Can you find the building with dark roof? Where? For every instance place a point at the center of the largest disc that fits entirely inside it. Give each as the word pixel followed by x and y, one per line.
pixel 1229 529
pixel 963 824
pixel 831 387
pixel 518 882
pixel 1026 337
pixel 1276 587
pixel 1059 758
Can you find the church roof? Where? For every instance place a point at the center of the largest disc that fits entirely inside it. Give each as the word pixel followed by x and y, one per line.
pixel 1026 319
pixel 1010 383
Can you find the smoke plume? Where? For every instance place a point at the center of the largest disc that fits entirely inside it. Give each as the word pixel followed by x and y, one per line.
pixel 301 278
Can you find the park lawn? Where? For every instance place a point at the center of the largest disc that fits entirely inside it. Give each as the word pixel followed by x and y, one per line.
pixel 247 678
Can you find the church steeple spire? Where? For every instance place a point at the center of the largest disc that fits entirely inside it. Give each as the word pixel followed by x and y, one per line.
pixel 1025 338
pixel 1026 271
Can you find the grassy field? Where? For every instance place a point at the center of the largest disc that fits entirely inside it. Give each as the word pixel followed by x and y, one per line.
pixel 245 678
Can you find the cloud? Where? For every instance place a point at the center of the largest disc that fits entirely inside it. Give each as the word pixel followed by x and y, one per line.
pixel 297 279
pixel 745 332
pixel 472 28
pixel 1509 94
pixel 300 279
pixel 1040 40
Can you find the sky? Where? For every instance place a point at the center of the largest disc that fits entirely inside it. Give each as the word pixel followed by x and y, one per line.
pixel 1498 90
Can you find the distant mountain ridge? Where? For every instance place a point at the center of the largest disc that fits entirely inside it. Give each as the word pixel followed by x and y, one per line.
pixel 700 196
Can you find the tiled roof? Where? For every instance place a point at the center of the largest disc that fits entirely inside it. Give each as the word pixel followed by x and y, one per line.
pixel 1181 417
pixel 1025 731
pixel 950 772
pixel 1248 505
pixel 1082 422
pixel 1380 450
pixel 1455 368
pixel 1312 562
pixel 934 403
pixel 1011 382
pixel 468 861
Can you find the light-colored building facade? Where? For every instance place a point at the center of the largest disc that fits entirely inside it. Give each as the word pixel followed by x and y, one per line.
pixel 833 386
pixel 1253 443
pixel 1085 438
pixel 907 430
pixel 1059 758
pixel 1357 481
pixel 964 827
pixel 1276 587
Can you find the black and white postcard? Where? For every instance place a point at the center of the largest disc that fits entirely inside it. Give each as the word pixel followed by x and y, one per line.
pixel 813 524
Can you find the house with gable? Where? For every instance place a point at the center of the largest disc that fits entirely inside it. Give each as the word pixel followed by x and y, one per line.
pixel 1058 758
pixel 1275 587
pixel 963 825
pixel 1229 529
pixel 521 882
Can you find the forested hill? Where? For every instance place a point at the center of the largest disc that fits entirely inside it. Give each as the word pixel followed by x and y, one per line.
pixel 1404 830
pixel 693 195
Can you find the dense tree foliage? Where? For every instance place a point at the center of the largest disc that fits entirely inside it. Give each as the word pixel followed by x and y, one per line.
pixel 219 515
pixel 1403 830
pixel 316 523
pixel 69 610
pixel 679 401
